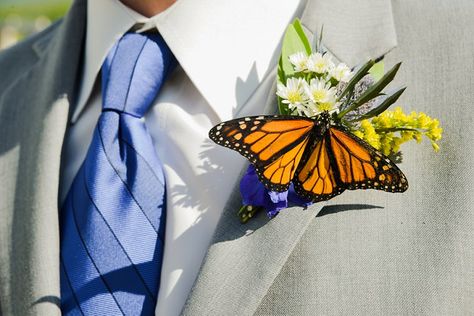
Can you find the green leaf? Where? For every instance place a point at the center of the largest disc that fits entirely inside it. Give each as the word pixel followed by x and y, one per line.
pixel 383 106
pixel 357 77
pixel 377 70
pixel 319 40
pixel 282 107
pixel 302 35
pixel 294 41
pixel 281 73
pixel 373 91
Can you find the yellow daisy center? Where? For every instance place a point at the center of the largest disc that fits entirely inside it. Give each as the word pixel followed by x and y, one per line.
pixel 294 97
pixel 325 106
pixel 319 95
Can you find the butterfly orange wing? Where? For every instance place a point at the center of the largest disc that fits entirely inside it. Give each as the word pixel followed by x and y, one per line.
pixel 273 144
pixel 316 178
pixel 361 166
pixel 339 161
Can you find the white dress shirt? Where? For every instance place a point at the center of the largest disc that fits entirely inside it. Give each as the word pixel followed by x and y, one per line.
pixel 227 53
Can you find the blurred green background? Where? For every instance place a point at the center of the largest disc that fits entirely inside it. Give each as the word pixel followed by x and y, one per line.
pixel 21 18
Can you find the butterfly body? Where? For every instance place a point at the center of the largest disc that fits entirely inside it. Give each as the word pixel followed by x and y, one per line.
pixel 321 158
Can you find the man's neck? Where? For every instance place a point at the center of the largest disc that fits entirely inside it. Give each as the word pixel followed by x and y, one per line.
pixel 148 8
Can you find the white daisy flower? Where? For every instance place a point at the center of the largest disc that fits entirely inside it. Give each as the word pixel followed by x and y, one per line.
pixel 321 94
pixel 341 73
pixel 293 93
pixel 319 63
pixel 308 109
pixel 299 61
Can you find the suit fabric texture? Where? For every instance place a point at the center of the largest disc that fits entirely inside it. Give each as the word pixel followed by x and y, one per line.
pixel 362 253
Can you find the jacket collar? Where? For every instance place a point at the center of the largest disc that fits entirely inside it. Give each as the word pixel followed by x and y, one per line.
pixel 243 260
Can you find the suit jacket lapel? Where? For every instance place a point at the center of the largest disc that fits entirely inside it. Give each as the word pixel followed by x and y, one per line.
pixel 33 118
pixel 354 31
pixel 243 260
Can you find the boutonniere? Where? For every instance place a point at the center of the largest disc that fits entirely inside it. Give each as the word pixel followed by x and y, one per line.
pixel 334 131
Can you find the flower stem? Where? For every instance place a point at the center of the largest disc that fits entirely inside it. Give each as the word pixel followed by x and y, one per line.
pixel 246 212
pixel 395 129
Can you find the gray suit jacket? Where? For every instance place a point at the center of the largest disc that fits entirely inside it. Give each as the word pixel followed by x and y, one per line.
pixel 360 253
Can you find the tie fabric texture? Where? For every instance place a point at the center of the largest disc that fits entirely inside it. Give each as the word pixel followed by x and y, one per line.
pixel 113 219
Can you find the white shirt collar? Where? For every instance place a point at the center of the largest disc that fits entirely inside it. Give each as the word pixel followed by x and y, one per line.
pixel 225 58
pixel 103 30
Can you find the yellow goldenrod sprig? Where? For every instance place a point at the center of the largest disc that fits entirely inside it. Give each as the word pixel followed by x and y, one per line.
pixel 388 130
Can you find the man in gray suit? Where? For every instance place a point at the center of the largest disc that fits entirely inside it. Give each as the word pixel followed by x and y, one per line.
pixel 364 252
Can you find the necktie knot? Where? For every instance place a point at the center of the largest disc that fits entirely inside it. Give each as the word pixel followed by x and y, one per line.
pixel 134 71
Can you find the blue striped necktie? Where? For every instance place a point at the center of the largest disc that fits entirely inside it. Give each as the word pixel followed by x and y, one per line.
pixel 113 219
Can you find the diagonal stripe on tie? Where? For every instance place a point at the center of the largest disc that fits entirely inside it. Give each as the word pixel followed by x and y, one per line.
pixel 113 219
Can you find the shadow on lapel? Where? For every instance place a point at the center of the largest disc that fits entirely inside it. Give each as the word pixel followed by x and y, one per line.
pixel 243 260
pixel 34 114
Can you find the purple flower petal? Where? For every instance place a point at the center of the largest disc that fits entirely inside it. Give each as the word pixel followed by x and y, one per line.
pixel 254 193
pixel 294 198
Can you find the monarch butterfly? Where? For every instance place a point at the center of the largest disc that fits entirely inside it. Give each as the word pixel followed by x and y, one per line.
pixel 320 157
